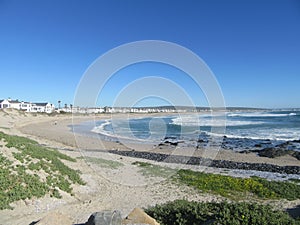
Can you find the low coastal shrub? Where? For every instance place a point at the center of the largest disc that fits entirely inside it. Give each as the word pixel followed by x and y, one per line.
pixel 183 212
pixel 16 184
pixel 21 180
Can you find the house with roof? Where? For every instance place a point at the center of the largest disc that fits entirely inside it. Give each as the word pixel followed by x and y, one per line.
pixel 42 107
pixel 8 103
pixel 4 103
pixel 25 106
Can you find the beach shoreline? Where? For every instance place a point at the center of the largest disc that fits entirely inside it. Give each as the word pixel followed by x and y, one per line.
pixel 61 133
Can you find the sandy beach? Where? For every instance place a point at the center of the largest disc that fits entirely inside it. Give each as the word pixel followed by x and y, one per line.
pixel 122 188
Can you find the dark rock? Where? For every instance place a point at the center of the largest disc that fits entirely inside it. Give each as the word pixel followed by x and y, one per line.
pixel 257 145
pixel 105 217
pixel 296 155
pixel 294 212
pixel 245 152
pixel 174 143
pixel 272 152
pixel 282 145
pixel 279 150
pixel 170 137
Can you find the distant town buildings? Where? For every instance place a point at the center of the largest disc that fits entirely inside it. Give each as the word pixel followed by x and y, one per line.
pixel 46 107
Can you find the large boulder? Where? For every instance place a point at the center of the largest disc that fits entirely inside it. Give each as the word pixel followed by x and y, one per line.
pixel 105 218
pixel 138 216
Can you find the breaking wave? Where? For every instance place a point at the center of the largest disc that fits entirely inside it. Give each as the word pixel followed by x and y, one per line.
pixel 207 122
pixel 261 114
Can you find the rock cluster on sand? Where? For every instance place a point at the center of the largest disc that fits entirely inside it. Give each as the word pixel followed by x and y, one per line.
pixel 136 217
pixel 208 162
pixel 282 149
pixel 248 144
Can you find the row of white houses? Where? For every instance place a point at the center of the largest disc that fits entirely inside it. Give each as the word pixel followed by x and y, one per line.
pixel 96 110
pixel 44 107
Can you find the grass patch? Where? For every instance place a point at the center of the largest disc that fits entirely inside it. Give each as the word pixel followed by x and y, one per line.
pixel 182 212
pixel 103 162
pixel 231 187
pixel 234 187
pixel 148 169
pixel 21 180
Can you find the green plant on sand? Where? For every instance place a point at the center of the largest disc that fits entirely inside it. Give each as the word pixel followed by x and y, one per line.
pixel 20 179
pixel 183 212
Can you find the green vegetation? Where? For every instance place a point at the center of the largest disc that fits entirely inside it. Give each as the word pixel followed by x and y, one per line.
pixel 234 187
pixel 230 187
pixel 24 178
pixel 149 169
pixel 103 162
pixel 182 212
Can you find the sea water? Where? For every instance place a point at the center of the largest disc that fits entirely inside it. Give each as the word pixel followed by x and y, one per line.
pixel 248 127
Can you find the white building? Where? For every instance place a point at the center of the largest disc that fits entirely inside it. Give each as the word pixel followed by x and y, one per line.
pixel 4 103
pixel 27 106
pixel 42 107
pixel 8 103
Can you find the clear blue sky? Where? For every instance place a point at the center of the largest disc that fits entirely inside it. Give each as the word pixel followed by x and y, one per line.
pixel 253 47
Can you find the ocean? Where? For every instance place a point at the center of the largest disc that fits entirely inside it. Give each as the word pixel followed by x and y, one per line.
pixel 242 129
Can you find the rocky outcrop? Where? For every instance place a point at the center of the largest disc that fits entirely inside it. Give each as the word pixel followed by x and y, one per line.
pixel 170 141
pixel 278 150
pixel 208 162
pixel 136 217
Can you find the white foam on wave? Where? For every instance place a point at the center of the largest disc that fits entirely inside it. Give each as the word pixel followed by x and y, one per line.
pixel 263 134
pixel 207 122
pixel 101 128
pixel 262 114
pixel 123 133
